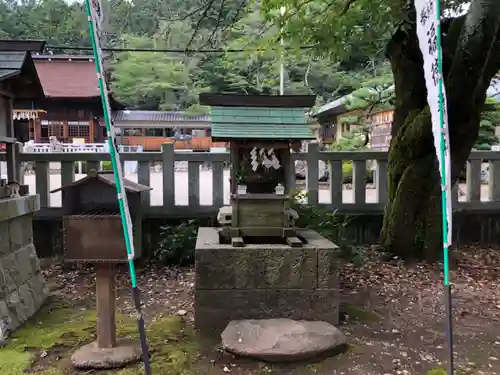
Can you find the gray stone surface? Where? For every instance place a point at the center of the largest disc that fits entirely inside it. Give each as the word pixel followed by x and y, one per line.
pixel 91 356
pixel 22 287
pixel 264 281
pixel 20 231
pixel 4 238
pixel 257 267
pixel 214 309
pixel 281 340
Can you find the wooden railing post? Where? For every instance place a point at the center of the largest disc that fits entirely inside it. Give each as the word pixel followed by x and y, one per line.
pixel 312 176
pixel 494 181
pixel 218 184
pixel 194 184
pixel 168 171
pixel 381 176
pixel 67 177
pixel 474 180
pixel 144 177
pixel 19 165
pixel 336 182
pixel 196 199
pixel 42 182
pixel 359 181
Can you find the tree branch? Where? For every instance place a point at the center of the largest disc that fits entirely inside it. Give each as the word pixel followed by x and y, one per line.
pixel 478 37
pixel 406 60
pixel 475 62
pixel 219 18
pixel 198 24
pixel 347 6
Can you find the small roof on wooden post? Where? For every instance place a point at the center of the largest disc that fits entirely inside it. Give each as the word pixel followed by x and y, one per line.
pixel 259 117
pixel 107 178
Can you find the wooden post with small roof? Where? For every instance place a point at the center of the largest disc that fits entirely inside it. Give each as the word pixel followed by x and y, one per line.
pixel 261 130
pixel 93 233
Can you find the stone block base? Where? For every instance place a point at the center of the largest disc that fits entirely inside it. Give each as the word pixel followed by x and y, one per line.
pixel 265 281
pixel 22 287
pixel 91 356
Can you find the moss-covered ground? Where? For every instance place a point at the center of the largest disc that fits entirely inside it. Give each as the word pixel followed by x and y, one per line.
pixel 45 343
pixel 392 315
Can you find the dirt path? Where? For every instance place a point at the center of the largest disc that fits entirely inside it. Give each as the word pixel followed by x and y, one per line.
pixel 393 316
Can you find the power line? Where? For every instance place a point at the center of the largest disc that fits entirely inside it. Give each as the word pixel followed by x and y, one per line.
pixel 168 50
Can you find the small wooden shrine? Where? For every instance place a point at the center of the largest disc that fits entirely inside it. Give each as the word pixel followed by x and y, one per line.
pixel 93 234
pixel 261 131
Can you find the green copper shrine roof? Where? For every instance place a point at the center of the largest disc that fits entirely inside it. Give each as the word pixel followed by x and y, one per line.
pixel 260 123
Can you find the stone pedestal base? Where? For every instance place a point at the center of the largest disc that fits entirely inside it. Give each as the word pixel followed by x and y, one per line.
pixel 92 357
pixel 265 281
pixel 22 287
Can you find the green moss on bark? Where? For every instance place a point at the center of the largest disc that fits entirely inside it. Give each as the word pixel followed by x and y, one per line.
pixel 412 223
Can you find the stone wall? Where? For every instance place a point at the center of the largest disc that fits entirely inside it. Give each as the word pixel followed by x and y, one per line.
pixel 265 281
pixel 22 287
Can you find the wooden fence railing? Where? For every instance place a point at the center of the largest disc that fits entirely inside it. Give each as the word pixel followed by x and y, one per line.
pixel 202 187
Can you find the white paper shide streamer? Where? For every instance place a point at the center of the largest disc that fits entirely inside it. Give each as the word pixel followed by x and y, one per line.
pixel 427 26
pixel 97 14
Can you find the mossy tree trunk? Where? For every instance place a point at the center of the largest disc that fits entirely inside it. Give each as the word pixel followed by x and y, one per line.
pixel 471 58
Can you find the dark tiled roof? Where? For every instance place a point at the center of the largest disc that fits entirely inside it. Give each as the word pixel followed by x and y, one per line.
pixel 67 78
pixel 11 63
pixel 107 178
pixel 268 101
pixel 22 45
pixel 130 186
pixel 158 116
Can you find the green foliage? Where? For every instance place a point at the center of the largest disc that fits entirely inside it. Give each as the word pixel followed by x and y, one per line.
pixel 351 141
pixel 346 30
pixel 329 223
pixel 437 371
pixel 106 166
pixel 326 222
pixel 490 119
pixel 167 82
pixel 376 93
pixel 172 81
pixel 347 176
pixel 177 244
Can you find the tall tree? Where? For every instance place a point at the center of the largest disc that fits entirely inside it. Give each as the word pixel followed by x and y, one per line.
pixel 471 57
pixel 156 80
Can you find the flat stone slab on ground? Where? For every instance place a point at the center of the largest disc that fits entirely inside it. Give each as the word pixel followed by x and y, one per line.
pixel 92 357
pixel 281 340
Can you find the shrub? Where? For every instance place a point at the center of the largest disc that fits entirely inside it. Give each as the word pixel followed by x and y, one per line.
pixel 347 173
pixel 326 222
pixel 331 225
pixel 177 244
pixel 106 166
pixel 84 166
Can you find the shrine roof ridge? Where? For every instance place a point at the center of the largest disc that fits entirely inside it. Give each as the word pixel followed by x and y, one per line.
pixel 262 101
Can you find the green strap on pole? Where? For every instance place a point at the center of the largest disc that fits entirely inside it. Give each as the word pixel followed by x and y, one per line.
pixel 446 266
pixel 115 157
pixel 94 14
pixel 444 191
